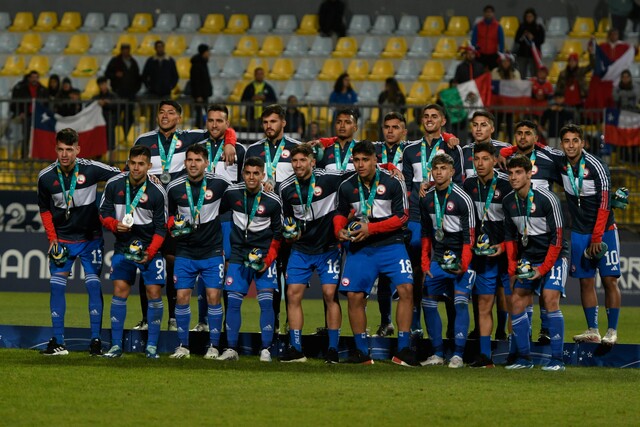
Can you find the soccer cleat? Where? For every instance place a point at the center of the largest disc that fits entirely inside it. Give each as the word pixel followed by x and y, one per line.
pixel 141 326
pixel 181 353
pixel 482 362
pixel 212 353
pixel 321 332
pixel 200 327
pixel 151 352
pixel 173 325
pixel 332 356
pixel 554 365
pixel 265 355
pixel 611 337
pixel 521 363
pixel 405 357
pixel 229 354
pixel 114 352
pixel 433 360
pixel 590 335
pixel 95 348
pixel 55 349
pixel 417 334
pixel 358 357
pixel 456 362
pixel 501 336
pixel 386 330
pixel 473 335
pixel 292 355
pixel 543 337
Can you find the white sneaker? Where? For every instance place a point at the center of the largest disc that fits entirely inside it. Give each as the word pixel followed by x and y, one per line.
pixel 590 335
pixel 229 354
pixel 265 355
pixel 181 353
pixel 434 360
pixel 173 325
pixel 200 327
pixel 456 362
pixel 611 337
pixel 141 326
pixel 212 353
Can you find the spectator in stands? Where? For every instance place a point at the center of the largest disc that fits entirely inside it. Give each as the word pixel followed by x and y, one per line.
pixel 61 106
pixel 200 82
pixel 160 74
pixel 313 131
pixel 109 111
pixel 21 108
pixel 470 68
pixel 488 38
pixel 73 105
pixel 331 18
pixel 343 95
pixel 390 99
pixel 505 71
pixel 294 117
pixel 555 118
pixel 626 95
pixel 53 86
pixel 530 35
pixel 541 91
pixel 259 93
pixel 124 75
pixel 620 11
pixel 572 82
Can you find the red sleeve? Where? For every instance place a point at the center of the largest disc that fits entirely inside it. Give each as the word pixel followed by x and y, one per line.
pixel 466 251
pixel 230 137
pixel 154 247
pixel 109 223
pixel 388 225
pixel 508 151
pixel 511 247
pixel 272 253
pixel 601 223
pixel 446 136
pixel 388 166
pixel 47 221
pixel 171 222
pixel 339 222
pixel 425 259
pixel 552 255
pixel 328 142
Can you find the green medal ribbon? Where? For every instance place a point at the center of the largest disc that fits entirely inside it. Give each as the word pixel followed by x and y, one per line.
pixel 527 213
pixel 130 206
pixel 165 158
pixel 195 210
pixel 533 157
pixel 576 189
pixel 341 164
pixel 254 209
pixel 440 210
pixel 312 186
pixel 366 206
pixel 487 202
pixel 72 185
pixel 426 164
pixel 272 164
pixel 213 160
pixel 396 157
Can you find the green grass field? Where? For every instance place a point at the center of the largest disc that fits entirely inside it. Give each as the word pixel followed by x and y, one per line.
pixel 79 390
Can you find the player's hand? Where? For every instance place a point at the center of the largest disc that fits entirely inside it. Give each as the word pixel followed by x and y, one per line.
pixel 502 163
pixel 121 228
pixel 266 186
pixel 535 276
pixel 51 243
pixel 315 143
pixel 155 180
pixel 453 142
pixel 343 236
pixel 594 249
pixel 229 154
pixel 360 234
pixel 512 281
pixel 145 259
pixel 264 267
pixel 427 272
pixel 498 252
pixel 396 173
pixel 424 187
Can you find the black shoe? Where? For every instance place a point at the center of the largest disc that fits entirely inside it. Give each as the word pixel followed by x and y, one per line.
pixel 55 349
pixel 473 335
pixel 321 332
pixel 360 358
pixel 95 348
pixel 511 359
pixel 405 357
pixel 501 336
pixel 293 355
pixel 543 337
pixel 450 334
pixel 332 356
pixel 482 362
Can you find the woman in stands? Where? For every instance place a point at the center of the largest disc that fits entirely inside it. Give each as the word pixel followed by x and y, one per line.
pixel 505 71
pixel 529 33
pixel 626 95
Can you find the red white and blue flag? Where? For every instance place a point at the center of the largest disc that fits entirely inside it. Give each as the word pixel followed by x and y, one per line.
pixel 622 128
pixel 510 93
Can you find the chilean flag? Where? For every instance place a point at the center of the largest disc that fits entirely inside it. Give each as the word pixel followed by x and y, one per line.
pixel 622 128
pixel 606 74
pixel 89 123
pixel 511 93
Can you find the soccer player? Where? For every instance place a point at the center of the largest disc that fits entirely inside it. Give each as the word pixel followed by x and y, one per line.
pixel 255 240
pixel 134 208
pixel 194 202
pixel 338 150
pixel 378 202
pixel 308 197
pixel 447 215
pixel 533 234
pixel 487 189
pixel 594 234
pixel 67 202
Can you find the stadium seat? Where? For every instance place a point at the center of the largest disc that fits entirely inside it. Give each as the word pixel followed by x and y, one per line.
pixel 117 22
pixel 432 71
pixel 569 46
pixel 146 47
pixel 63 65
pixel 102 44
pixel 184 67
pixel 102 69
pixel 238 88
pixel 458 26
pixel 23 21
pixel 358 69
pixel 8 42
pixel 189 23
pixel 220 90
pixel 261 24
pixel 307 69
pixel 557 26
pixel 256 63
pixel 371 47
pixel 548 50
pixel 282 69
pixel 223 45
pixel 141 23
pixel 409 25
pixel 346 47
pixel 637 58
pixel 369 92
pixel 420 48
pixel 360 24
pixel 285 24
pixel 381 70
pixel 432 26
pixel 603 27
pixel 197 40
pixel 6 84
pixel 396 48
pixel 309 25
pixel 247 46
pixel 331 69
pixel 271 46
pixel 78 44
pixel 13 66
pixel 408 70
pixel 419 94
pixel 165 23
pixel 5 20
pixel 214 67
pixel 87 66
pixel 293 87
pixel 93 22
pixel 238 24
pixel 232 68
pixel 175 45
pixel 30 43
pixel 46 22
pixel 40 63
pixel 554 71
pixel 630 31
pixel 510 25
pixel 129 39
pixel 214 23
pixel 446 48
pixel 635 70
pixel 383 25
pixel 583 27
pixel 70 22
pixel 318 92
pixel 296 46
pixel 321 46
pixel 55 43
pixel 451 70
pixel 91 89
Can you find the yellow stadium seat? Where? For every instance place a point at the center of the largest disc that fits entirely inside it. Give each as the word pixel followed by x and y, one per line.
pixel 441 86
pixel 40 63
pixel 282 69
pixel 78 44
pixel 432 71
pixel 603 27
pixel 458 26
pixel 13 66
pixel 396 48
pixel 147 45
pixel 419 94
pixel 90 90
pixel 331 69
pixel 129 39
pixel 175 45
pixel 358 69
pixel 30 43
pixel 637 58
pixel 509 25
pixel 568 47
pixel 87 66
pixel 213 24
pixel 23 21
pixel 247 46
pixel 141 23
pixel 238 24
pixel 433 26
pixel 583 27
pixel 446 48
pixel 309 25
pixel 184 67
pixel 381 70
pixel 238 88
pixel 70 21
pixel 255 63
pixel 271 46
pixel 46 22
pixel 554 71
pixel 346 47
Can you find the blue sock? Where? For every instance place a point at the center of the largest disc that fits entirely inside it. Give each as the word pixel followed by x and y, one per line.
pixel 521 330
pixel 544 320
pixel 529 311
pixel 485 345
pixel 404 339
pixel 118 315
pixel 612 315
pixel 415 320
pixel 96 303
pixel 155 307
pixel 556 332
pixel 384 301
pixel 58 305
pixel 461 325
pixel 362 343
pixel 234 318
pixel 513 347
pixel 434 324
pixel 334 337
pixel 267 317
pixel 202 302
pixel 503 317
pixel 214 313
pixel 295 339
pixel 591 314
pixel 183 318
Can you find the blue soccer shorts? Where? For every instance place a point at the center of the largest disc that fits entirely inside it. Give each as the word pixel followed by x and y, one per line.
pixel 153 272
pixel 445 283
pixel 301 267
pixel 415 231
pixel 210 270
pixel 90 253
pixel 363 267
pixel 583 267
pixel 490 273
pixel 554 280
pixel 240 277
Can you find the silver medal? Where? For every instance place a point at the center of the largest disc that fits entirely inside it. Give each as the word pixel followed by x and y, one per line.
pixel 365 218
pixel 67 214
pixel 128 220
pixel 272 183
pixel 439 235
pixel 165 178
pixel 525 240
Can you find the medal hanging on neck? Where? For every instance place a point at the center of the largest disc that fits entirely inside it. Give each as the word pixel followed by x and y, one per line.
pixel 396 156
pixel 341 164
pixel 527 215
pixel 214 159
pixel 487 202
pixel 128 219
pixel 366 206
pixel 270 164
pixel 306 204
pixel 68 197
pixel 252 214
pixel 576 189
pixel 165 158
pixel 426 164
pixel 439 211
pixel 195 210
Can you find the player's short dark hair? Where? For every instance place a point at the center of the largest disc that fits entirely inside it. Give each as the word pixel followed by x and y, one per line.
pixel 274 109
pixel 439 108
pixel 442 159
pixel 520 161
pixel 102 79
pixel 253 161
pixel 348 112
pixel 198 149
pixel 364 147
pixel 394 115
pixel 140 150
pixel 573 129
pixel 527 123
pixel 218 107
pixel 67 136
pixel 486 147
pixel 304 149
pixel 171 103
pixel 486 114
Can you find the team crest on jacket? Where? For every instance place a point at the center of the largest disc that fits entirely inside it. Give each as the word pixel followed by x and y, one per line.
pixel 381 190
pixel 317 191
pixel 497 194
pixel 178 144
pixel 533 207
pixel 208 195
pixel 82 179
pixel 440 151
pixel 586 172
pixel 144 198
pixel 534 170
pixel 450 206
pixel 285 154
pixel 261 209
